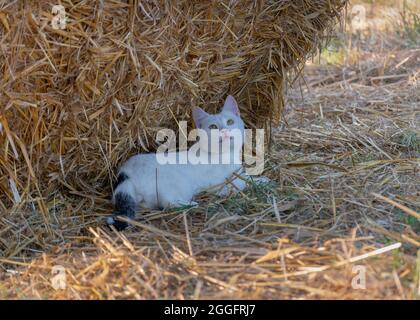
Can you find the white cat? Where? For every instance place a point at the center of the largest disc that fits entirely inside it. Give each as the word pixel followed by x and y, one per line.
pixel 144 181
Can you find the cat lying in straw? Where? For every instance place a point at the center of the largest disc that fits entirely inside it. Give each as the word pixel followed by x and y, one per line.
pixel 146 181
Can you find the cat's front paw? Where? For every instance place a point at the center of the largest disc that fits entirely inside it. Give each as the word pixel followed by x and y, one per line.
pixel 232 187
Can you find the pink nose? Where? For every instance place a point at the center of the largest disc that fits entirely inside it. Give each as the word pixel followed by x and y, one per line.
pixel 225 133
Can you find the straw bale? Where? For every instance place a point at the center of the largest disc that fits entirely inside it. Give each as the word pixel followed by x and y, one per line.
pixel 76 102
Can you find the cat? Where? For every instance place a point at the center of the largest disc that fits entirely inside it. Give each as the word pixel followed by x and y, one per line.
pixel 143 181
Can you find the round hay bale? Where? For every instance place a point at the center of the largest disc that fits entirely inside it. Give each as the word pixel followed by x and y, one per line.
pixel 74 102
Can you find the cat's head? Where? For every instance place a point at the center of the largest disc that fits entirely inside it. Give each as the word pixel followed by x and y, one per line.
pixel 226 126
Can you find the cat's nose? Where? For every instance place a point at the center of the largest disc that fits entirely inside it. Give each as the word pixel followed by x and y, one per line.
pixel 225 133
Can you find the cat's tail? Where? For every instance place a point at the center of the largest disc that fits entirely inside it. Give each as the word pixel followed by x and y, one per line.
pixel 124 202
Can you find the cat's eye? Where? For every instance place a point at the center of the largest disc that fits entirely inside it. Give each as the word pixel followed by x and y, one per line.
pixel 230 122
pixel 212 126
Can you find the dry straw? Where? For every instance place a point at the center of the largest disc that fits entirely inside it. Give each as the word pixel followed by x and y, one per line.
pixel 345 197
pixel 76 102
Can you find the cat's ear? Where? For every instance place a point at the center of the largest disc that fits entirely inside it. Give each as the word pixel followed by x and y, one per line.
pixel 231 105
pixel 198 116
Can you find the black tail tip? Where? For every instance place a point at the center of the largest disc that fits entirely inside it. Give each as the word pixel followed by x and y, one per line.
pixel 117 224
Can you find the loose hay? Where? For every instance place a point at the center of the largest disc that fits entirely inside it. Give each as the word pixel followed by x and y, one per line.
pixel 115 269
pixel 76 102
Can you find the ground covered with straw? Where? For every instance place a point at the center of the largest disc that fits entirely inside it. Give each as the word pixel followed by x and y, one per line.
pixel 343 204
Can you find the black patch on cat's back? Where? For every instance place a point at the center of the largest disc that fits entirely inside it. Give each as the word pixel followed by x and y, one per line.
pixel 120 179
